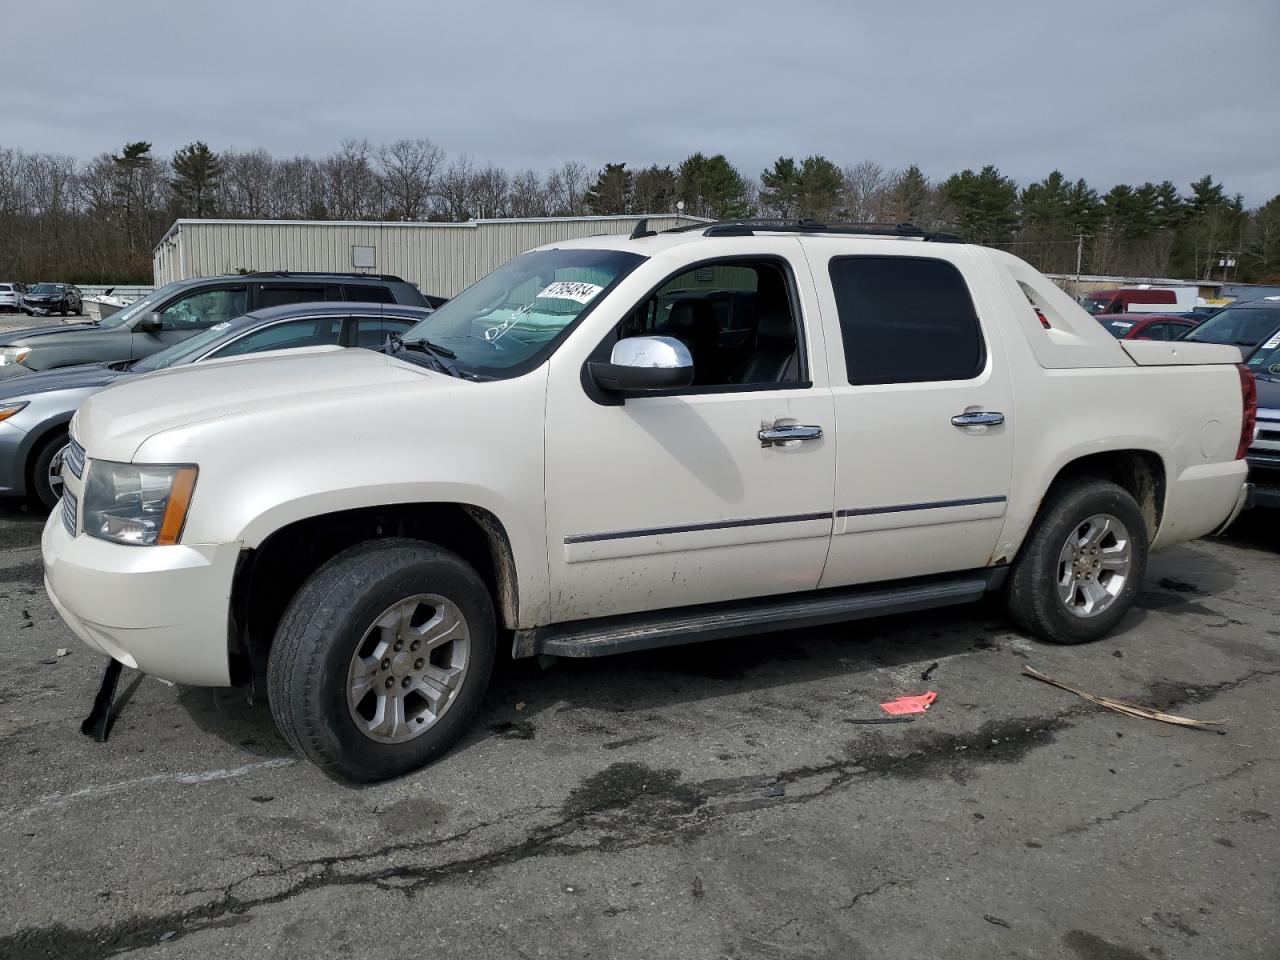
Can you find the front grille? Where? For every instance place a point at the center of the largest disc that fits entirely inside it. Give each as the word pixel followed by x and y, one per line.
pixel 70 511
pixel 75 458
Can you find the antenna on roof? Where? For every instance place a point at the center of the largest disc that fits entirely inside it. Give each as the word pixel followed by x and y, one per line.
pixel 642 230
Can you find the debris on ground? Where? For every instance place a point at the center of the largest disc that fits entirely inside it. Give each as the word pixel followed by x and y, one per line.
pixel 61 652
pixel 1123 706
pixel 929 671
pixel 918 703
pixel 997 921
pixel 880 720
pixel 168 935
pixel 519 706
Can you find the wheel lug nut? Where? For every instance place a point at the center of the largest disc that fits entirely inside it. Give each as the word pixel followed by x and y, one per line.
pixel 386 664
pixel 399 645
pixel 419 664
pixel 390 682
pixel 406 681
pixel 415 645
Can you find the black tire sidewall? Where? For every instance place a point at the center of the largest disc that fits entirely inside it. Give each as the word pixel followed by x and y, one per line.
pixel 41 491
pixel 343 748
pixel 1071 508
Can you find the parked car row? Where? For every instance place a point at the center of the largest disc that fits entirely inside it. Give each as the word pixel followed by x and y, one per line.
pixel 42 299
pixel 1146 326
pixel 36 409
pixel 617 443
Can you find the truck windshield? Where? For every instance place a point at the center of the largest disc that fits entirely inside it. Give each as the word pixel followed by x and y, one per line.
pixel 1239 326
pixel 1095 305
pixel 509 322
pixel 1266 359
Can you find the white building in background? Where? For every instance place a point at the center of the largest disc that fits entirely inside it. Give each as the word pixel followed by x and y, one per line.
pixel 441 258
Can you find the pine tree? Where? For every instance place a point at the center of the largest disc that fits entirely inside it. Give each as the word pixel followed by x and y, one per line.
pixel 612 192
pixel 984 205
pixel 196 170
pixel 712 187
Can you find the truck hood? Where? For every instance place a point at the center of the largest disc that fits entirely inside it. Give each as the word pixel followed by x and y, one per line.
pixel 60 378
pixel 24 336
pixel 113 423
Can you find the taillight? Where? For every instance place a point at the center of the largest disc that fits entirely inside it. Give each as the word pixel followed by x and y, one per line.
pixel 1249 417
pixel 1044 321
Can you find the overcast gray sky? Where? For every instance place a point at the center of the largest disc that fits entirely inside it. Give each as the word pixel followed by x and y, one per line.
pixel 1120 91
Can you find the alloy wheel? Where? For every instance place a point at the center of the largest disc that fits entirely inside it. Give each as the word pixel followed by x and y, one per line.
pixel 408 668
pixel 1094 565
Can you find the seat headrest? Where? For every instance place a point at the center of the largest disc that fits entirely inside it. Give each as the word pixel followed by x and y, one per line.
pixel 775 330
pixel 690 314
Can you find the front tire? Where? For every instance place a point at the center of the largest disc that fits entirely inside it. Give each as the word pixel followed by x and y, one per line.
pixel 1082 564
pixel 45 487
pixel 382 659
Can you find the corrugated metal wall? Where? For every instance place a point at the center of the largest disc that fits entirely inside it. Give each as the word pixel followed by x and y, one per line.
pixel 441 258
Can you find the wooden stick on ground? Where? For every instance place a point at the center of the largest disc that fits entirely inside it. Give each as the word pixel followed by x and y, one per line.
pixel 1123 706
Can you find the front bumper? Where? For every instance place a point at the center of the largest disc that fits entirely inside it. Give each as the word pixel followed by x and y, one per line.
pixel 160 610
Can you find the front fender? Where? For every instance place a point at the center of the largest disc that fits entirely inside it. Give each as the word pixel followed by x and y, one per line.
pixel 478 445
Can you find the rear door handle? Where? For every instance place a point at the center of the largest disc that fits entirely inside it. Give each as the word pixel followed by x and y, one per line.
pixel 785 432
pixel 978 418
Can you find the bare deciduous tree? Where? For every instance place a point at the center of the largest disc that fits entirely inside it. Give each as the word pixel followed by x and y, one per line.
pixel 865 192
pixel 409 169
pixel 527 196
pixel 567 189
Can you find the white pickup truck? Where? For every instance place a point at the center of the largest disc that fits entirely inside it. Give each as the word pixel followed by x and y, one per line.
pixel 625 442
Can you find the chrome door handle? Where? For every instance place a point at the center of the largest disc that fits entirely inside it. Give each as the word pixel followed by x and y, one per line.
pixel 785 432
pixel 978 418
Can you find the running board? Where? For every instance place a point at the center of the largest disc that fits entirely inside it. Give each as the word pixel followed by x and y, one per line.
pixel 664 628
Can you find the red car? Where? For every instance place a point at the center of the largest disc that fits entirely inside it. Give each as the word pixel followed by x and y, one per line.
pixel 1146 326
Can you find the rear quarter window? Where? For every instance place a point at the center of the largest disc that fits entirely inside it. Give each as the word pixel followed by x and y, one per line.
pixel 360 293
pixel 905 320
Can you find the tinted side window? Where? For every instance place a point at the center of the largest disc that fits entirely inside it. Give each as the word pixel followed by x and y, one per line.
pixel 905 320
pixel 276 296
pixel 367 294
pixel 203 309
pixel 312 332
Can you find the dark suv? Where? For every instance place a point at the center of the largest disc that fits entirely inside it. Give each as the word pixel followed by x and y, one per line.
pixel 46 298
pixel 181 309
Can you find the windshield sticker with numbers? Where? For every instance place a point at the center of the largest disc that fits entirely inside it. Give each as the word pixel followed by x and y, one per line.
pixel 570 290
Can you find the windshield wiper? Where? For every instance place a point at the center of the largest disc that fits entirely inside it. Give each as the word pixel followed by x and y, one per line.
pixel 438 358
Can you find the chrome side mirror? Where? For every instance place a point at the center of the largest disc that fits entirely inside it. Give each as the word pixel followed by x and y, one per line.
pixel 645 363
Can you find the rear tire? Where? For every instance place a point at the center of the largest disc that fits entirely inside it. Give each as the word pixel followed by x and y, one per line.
pixel 335 671
pixel 1082 564
pixel 42 490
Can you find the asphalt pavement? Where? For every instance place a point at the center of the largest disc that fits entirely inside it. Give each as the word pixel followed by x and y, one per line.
pixel 715 801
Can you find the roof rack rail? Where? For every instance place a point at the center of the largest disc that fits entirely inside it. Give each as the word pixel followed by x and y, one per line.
pixel 326 273
pixel 750 227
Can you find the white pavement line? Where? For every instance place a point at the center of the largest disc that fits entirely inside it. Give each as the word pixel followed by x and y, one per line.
pixel 55 801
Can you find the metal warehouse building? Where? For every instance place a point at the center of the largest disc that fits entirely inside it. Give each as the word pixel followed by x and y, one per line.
pixel 441 258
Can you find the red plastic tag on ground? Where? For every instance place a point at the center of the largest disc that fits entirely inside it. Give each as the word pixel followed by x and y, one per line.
pixel 916 704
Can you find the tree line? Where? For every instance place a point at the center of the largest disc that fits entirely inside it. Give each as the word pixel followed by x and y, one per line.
pixel 97 221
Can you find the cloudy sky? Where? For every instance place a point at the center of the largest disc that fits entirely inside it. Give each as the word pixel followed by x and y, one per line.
pixel 1119 91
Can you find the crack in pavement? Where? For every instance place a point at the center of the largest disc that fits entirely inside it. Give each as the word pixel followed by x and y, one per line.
pixel 624 806
pixel 1186 788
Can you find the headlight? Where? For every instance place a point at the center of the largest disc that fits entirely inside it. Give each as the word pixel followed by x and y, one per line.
pixel 7 410
pixel 141 504
pixel 13 354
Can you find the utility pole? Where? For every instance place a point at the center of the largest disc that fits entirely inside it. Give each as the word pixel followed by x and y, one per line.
pixel 1080 239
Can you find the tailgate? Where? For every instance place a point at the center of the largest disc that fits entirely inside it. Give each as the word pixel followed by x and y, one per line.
pixel 1159 353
